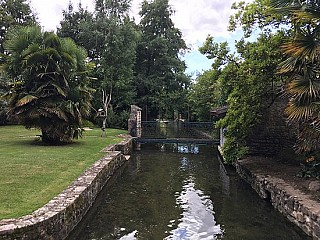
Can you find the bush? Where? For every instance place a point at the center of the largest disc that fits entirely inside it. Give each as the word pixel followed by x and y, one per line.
pixel 118 120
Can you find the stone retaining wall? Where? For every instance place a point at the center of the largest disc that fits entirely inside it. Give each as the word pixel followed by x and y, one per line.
pixel 272 135
pixel 58 217
pixel 291 202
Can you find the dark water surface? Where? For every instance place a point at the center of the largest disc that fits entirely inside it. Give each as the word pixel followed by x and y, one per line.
pixel 163 194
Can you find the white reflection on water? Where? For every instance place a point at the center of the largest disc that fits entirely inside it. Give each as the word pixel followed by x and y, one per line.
pixel 197 220
pixel 130 236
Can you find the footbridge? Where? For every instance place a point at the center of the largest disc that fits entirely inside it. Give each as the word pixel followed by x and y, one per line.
pixel 170 132
pixel 177 132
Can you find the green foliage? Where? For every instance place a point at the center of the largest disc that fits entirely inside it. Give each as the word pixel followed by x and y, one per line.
pixel 14 13
pixel 245 81
pixel 310 170
pixel 134 64
pixel 204 95
pixel 256 15
pixel 302 67
pixel 118 120
pixel 253 92
pixel 110 38
pixel 111 8
pixel 160 79
pixel 311 166
pixel 49 83
pixel 117 61
pixel 79 26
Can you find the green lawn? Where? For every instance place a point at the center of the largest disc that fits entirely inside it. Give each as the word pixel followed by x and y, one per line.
pixel 31 173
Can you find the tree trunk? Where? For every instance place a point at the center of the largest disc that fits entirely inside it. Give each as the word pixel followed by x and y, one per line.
pixel 106 99
pixel 56 136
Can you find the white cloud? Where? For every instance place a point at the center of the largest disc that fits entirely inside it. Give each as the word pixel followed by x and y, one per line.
pixel 50 11
pixel 195 18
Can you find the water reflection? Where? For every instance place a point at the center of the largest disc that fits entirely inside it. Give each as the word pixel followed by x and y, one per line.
pixel 180 147
pixel 171 195
pixel 130 236
pixel 197 219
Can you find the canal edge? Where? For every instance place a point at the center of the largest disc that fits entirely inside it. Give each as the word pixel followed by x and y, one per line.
pixel 296 206
pixel 57 218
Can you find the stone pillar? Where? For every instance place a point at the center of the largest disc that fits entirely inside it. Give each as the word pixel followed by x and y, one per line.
pixel 134 122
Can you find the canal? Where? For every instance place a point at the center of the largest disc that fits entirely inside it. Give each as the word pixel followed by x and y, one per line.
pixel 181 191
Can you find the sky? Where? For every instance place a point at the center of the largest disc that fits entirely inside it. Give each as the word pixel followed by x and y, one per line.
pixel 195 19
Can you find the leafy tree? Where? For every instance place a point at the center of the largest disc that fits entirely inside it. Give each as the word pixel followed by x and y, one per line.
pixel 203 96
pixel 12 13
pixel 246 83
pixel 49 83
pixel 111 8
pixel 256 17
pixel 118 55
pixel 110 38
pixel 160 80
pixel 302 67
pixel 80 26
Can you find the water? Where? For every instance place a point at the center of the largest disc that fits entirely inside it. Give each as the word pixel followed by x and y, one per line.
pixel 163 194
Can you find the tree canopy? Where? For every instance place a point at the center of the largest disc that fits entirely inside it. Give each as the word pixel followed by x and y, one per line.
pixel 14 13
pixel 160 79
pixel 48 79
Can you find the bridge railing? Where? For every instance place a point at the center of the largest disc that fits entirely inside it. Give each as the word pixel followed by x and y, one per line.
pixel 176 129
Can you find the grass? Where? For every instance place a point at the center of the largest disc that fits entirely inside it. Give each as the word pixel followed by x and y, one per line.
pixel 31 173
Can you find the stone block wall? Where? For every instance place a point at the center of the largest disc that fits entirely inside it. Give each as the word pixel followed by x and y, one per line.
pixel 291 202
pixel 272 135
pixel 58 217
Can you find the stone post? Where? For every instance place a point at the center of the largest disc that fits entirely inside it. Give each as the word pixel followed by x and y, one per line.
pixel 134 122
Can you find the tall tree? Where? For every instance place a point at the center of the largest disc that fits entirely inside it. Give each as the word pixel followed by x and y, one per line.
pixel 118 56
pixel 49 83
pixel 110 38
pixel 13 13
pixel 111 8
pixel 80 26
pixel 160 77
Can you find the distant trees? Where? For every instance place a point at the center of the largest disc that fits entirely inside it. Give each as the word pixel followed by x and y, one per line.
pixel 129 64
pixel 115 75
pixel 136 64
pixel 110 38
pixel 203 95
pixel 14 13
pixel 159 72
pixel 48 83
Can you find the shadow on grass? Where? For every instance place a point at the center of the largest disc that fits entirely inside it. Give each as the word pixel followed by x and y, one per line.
pixel 37 142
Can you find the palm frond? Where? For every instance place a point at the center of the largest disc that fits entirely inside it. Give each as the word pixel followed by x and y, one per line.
pixel 25 100
pixel 289 65
pixel 304 46
pixel 18 39
pixel 308 139
pixel 297 111
pixel 306 88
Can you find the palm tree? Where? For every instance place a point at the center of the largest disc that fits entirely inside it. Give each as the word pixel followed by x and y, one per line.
pixel 49 83
pixel 302 67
